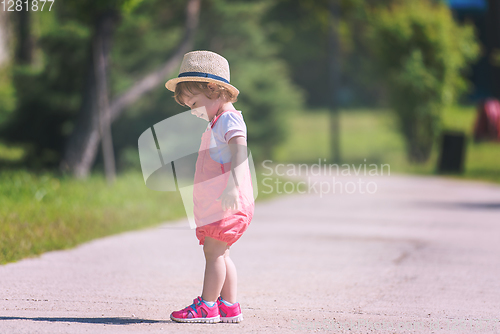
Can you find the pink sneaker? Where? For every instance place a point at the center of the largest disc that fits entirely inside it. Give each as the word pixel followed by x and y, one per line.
pixel 229 313
pixel 197 312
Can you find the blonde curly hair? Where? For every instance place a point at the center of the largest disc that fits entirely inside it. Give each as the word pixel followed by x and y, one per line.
pixel 196 87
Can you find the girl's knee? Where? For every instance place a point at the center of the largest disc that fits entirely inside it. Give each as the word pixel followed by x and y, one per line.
pixel 214 248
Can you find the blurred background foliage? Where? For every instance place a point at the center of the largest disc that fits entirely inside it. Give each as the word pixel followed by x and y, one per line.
pixel 49 95
pixel 394 53
pixel 422 54
pixel 403 67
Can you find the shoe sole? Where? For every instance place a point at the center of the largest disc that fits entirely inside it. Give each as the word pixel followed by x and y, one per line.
pixel 205 320
pixel 237 318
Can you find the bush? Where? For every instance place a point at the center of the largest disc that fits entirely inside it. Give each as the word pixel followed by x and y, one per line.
pixel 421 53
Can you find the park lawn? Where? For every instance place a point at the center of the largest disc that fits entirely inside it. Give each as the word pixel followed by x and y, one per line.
pixel 482 160
pixel 42 211
pixel 371 137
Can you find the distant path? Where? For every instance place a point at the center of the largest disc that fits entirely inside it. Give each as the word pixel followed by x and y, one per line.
pixel 421 251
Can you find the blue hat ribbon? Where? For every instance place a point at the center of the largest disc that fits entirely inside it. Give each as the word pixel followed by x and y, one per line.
pixel 202 75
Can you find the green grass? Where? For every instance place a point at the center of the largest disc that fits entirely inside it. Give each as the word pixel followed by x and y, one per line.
pixel 482 161
pixel 43 211
pixel 40 212
pixel 372 135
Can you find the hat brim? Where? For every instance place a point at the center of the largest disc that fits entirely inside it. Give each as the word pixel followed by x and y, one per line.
pixel 170 84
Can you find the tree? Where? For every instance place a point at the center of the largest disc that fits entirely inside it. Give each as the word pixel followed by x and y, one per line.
pixel 57 115
pixel 81 148
pixel 237 30
pixel 4 37
pixel 7 95
pixel 100 49
pixel 420 53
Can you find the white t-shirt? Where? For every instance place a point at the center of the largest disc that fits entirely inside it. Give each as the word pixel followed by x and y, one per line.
pixel 228 125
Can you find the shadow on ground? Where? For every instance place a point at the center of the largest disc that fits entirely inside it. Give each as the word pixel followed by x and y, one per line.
pixel 463 205
pixel 106 321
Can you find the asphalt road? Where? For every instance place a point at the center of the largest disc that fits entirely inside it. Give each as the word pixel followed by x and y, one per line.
pixel 418 255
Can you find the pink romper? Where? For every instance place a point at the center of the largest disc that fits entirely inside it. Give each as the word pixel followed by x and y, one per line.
pixel 210 180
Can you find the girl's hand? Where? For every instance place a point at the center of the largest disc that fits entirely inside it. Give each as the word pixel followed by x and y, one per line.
pixel 229 198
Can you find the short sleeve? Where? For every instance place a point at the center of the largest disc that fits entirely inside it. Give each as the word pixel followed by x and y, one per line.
pixel 233 133
pixel 230 125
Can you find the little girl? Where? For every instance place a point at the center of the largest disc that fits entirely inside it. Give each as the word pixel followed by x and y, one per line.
pixel 222 191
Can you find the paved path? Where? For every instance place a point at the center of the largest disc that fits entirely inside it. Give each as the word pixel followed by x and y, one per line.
pixel 421 252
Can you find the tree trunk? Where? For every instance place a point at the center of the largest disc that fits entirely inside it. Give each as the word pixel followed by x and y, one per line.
pixel 78 150
pixel 419 138
pixel 334 79
pixel 101 49
pixel 81 148
pixel 5 37
pixel 24 49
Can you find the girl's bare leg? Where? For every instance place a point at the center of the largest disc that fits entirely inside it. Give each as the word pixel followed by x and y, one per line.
pixel 215 268
pixel 228 292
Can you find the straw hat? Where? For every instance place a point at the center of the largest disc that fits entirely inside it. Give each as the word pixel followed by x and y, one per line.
pixel 204 66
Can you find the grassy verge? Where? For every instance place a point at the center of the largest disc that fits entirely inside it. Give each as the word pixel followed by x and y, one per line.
pixel 370 136
pixel 40 212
